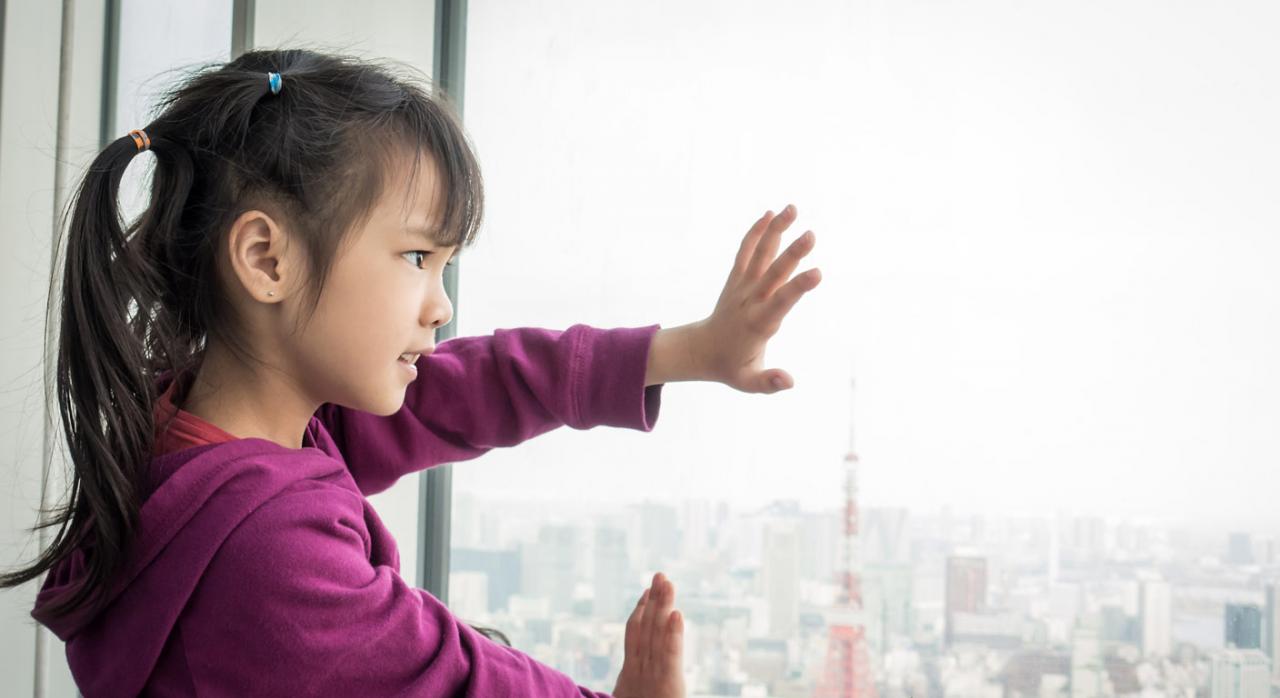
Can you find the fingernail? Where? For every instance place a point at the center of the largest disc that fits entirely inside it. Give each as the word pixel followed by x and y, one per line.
pixel 791 208
pixel 777 382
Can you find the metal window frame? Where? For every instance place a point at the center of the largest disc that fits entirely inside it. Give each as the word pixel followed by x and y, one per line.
pixel 435 495
pixel 242 15
pixel 110 72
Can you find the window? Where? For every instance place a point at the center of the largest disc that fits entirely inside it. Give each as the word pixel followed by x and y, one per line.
pixel 1047 251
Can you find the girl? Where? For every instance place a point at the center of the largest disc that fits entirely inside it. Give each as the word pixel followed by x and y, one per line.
pixel 241 366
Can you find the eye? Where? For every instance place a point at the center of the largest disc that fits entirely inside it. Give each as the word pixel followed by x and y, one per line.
pixel 423 253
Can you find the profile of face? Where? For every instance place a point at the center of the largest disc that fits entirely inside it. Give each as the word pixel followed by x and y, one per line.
pixel 384 297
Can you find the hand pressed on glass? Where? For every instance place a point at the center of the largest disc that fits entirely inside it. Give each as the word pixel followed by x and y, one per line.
pixel 728 346
pixel 654 646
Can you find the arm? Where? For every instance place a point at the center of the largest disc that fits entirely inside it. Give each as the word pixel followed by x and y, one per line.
pixel 477 393
pixel 474 394
pixel 302 611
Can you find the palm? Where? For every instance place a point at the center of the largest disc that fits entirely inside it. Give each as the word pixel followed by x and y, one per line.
pixel 757 296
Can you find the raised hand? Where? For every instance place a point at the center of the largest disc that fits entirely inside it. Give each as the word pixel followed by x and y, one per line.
pixel 728 346
pixel 653 646
pixel 757 296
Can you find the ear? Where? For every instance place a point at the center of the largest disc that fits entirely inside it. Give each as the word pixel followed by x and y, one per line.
pixel 260 258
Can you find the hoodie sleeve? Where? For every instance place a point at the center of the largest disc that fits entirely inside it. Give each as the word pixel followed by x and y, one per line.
pixel 474 394
pixel 300 611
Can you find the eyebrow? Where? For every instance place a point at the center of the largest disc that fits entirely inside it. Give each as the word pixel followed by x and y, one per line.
pixel 427 233
pixel 431 236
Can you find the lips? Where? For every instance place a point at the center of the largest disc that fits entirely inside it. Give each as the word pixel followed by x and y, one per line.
pixel 411 357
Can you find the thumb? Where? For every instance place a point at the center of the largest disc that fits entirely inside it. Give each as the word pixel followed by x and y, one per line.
pixel 772 381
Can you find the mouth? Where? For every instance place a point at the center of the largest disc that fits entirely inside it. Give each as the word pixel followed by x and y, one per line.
pixel 411 357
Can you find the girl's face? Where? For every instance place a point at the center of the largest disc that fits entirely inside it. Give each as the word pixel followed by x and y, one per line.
pixel 384 297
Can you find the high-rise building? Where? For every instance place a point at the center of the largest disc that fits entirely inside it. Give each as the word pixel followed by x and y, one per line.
pixel 659 535
pixel 549 566
pixel 1240 549
pixel 1271 626
pixel 501 569
pixel 820 543
pixel 468 594
pixel 1054 562
pixel 1155 607
pixel 966 588
pixel 697 526
pixel 1118 627
pixel 1240 674
pixel 1087 675
pixel 612 571
pixel 886 536
pixel 888 601
pixel 1089 539
pixel 781 573
pixel 1242 626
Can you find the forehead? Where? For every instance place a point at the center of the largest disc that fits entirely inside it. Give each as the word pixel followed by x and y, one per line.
pixel 412 202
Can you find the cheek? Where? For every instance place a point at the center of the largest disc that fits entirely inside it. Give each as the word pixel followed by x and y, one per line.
pixel 356 323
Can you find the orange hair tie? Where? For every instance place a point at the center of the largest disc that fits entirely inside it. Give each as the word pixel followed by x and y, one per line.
pixel 141 139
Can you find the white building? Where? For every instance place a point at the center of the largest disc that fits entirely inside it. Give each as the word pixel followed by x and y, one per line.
pixel 1155 605
pixel 781 576
pixel 1088 677
pixel 612 572
pixel 1271 625
pixel 1240 674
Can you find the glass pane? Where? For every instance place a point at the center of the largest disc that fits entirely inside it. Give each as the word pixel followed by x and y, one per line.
pixel 1047 239
pixel 158 43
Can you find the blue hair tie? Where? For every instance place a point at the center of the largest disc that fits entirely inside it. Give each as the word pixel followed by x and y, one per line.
pixel 273 79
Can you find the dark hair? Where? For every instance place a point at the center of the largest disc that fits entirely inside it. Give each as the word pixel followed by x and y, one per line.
pixel 141 299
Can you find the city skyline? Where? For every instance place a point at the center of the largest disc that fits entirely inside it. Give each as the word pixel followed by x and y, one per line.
pixel 1083 602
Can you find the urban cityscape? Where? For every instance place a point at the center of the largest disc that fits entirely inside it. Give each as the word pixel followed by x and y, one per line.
pixel 951 604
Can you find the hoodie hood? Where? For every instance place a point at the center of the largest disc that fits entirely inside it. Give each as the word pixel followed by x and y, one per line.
pixel 197 498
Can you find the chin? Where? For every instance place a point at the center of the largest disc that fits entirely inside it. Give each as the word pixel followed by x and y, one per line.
pixel 390 406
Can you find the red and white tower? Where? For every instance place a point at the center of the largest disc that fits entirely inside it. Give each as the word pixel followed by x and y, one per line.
pixel 847 672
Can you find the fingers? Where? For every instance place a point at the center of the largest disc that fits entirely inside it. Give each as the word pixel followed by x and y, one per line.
pixel 631 640
pixel 662 600
pixel 748 246
pixel 675 642
pixel 782 267
pixel 770 238
pixel 781 303
pixel 775 309
pixel 645 649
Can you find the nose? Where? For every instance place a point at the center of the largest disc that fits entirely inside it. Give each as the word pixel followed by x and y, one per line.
pixel 437 310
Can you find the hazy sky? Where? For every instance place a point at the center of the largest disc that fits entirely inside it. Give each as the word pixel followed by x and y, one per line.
pixel 1048 234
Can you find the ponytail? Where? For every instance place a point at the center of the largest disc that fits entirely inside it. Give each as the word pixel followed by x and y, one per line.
pixel 103 386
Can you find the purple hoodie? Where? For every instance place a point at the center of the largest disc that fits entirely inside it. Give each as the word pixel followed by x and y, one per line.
pixel 263 570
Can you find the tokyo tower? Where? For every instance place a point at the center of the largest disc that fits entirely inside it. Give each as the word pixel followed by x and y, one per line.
pixel 847 671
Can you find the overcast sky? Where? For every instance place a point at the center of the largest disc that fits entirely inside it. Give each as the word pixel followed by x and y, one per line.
pixel 1048 235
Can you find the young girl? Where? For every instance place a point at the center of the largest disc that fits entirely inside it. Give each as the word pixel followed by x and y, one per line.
pixel 226 419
